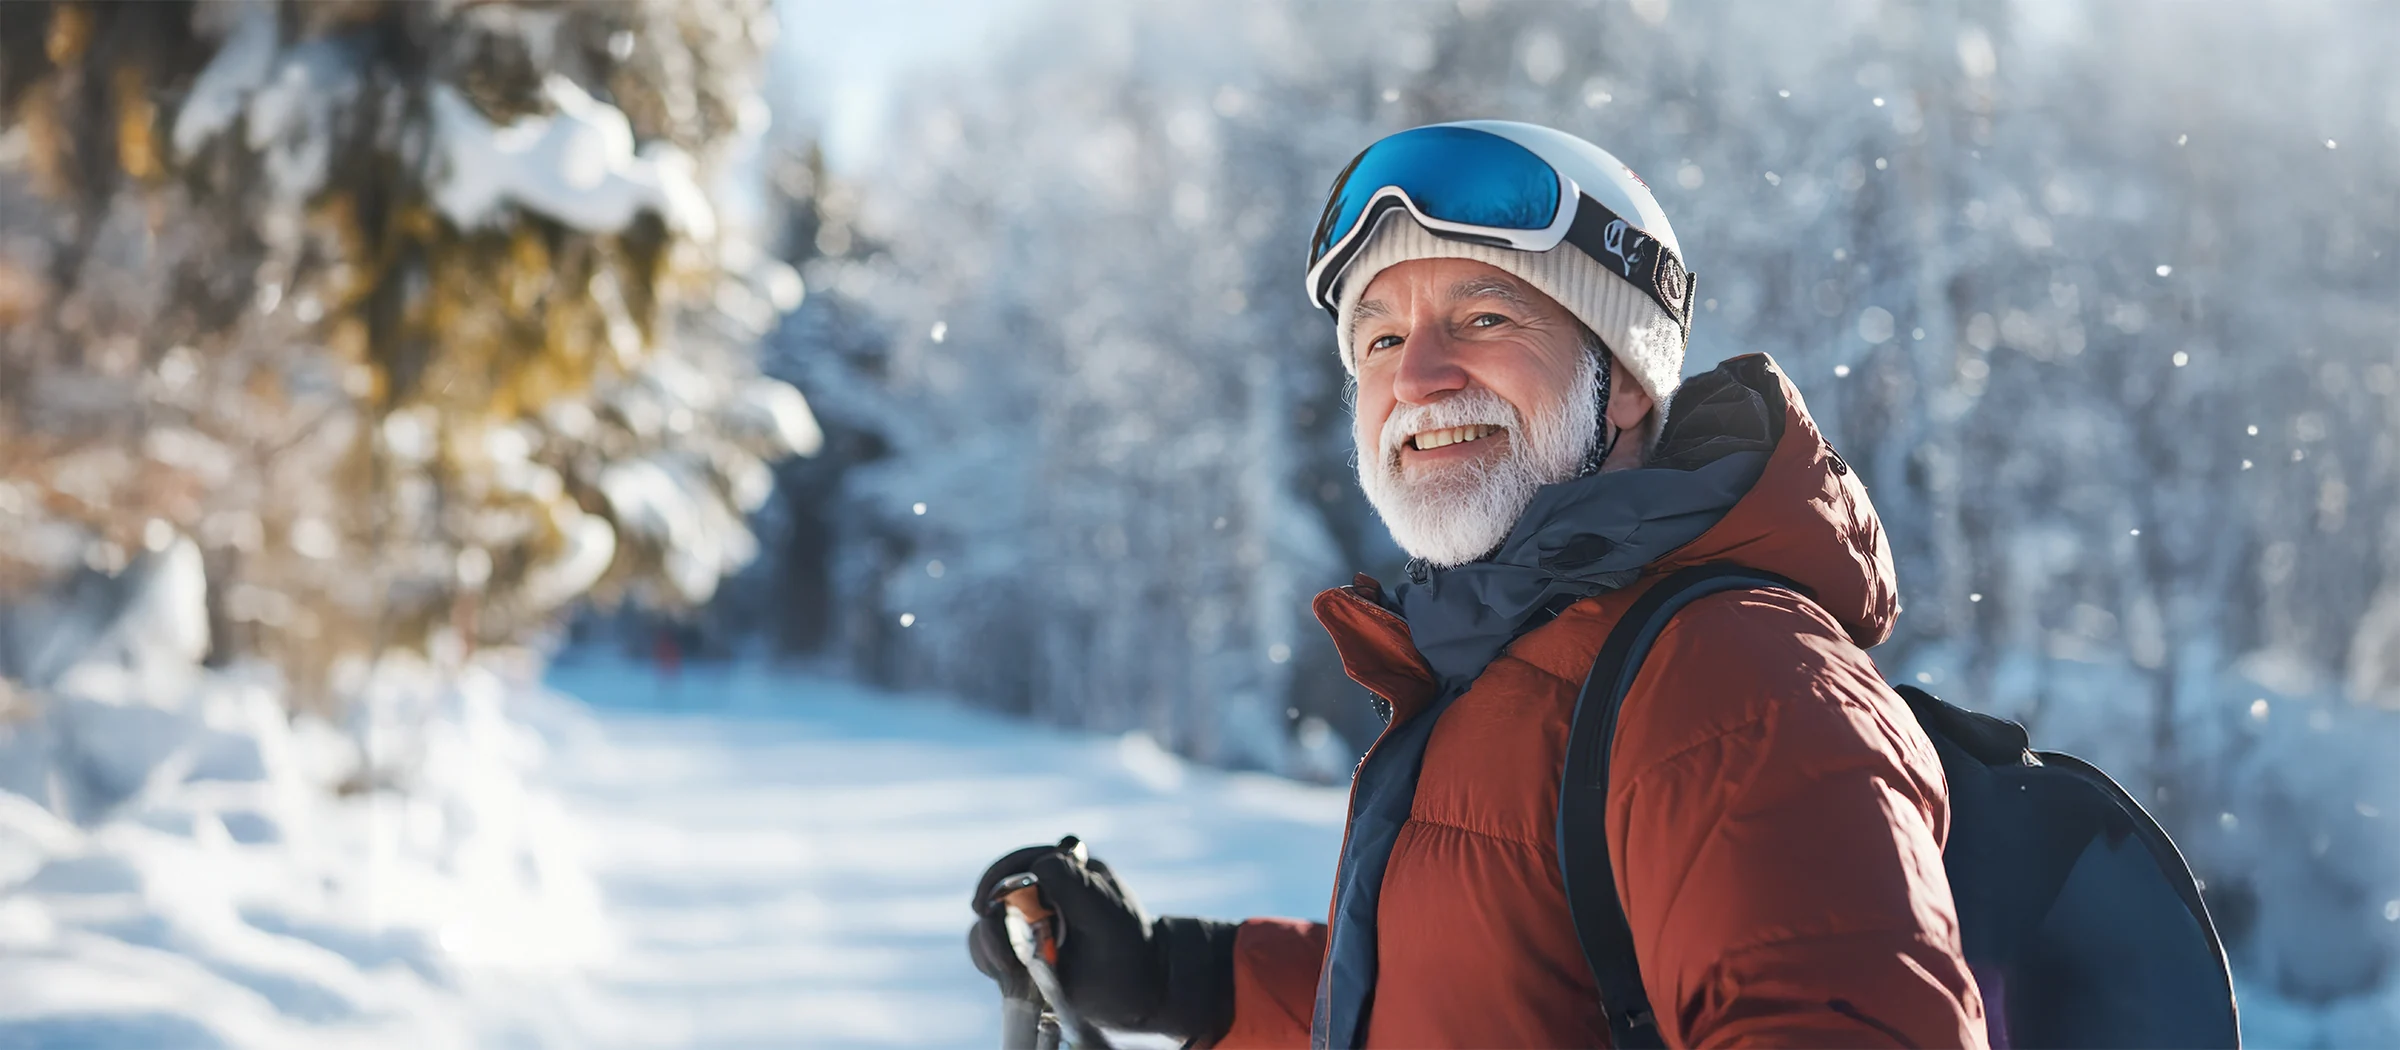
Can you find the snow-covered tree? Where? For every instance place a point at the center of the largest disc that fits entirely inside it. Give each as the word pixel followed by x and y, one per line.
pixel 422 319
pixel 1117 439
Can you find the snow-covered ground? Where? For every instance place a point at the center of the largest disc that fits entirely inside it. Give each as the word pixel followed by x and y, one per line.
pixel 786 861
pixel 736 857
pixel 218 887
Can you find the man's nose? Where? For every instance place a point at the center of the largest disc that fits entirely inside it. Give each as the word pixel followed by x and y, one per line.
pixel 1429 367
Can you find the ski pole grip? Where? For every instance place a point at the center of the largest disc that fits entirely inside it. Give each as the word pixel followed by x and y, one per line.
pixel 1020 891
pixel 1027 900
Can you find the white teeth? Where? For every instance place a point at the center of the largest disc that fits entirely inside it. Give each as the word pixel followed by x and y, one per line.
pixel 1433 439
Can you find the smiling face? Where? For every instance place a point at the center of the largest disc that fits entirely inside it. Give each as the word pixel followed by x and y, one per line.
pixel 1474 391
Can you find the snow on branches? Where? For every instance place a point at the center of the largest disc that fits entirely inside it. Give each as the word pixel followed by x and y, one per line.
pixel 416 317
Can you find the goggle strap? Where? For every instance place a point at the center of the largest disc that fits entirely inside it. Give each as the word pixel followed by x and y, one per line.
pixel 1636 256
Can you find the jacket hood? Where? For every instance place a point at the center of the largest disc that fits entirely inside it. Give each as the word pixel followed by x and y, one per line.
pixel 1741 474
pixel 1807 518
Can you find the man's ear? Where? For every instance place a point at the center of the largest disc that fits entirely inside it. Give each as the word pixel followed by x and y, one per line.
pixel 1628 403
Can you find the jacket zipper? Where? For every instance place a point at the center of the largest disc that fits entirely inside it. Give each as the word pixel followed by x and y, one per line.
pixel 1350 810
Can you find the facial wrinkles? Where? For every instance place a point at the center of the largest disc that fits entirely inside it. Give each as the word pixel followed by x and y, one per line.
pixel 1368 310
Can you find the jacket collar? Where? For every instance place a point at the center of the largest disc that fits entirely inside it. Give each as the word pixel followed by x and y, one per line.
pixel 1576 539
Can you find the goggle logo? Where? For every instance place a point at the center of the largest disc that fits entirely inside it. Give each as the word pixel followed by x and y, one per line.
pixel 1614 239
pixel 1672 285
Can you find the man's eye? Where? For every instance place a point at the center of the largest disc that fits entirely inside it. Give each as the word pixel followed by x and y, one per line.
pixel 1485 320
pixel 1384 342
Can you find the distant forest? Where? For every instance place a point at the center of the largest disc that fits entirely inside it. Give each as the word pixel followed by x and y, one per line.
pixel 2101 301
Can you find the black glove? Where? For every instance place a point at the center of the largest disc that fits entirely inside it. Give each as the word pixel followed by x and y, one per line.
pixel 1116 966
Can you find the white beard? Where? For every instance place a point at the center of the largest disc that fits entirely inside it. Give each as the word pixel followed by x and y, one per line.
pixel 1455 513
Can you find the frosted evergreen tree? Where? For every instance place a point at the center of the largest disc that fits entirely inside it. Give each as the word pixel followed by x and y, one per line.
pixel 422 319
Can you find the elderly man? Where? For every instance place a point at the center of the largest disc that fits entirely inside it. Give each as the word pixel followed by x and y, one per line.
pixel 1513 305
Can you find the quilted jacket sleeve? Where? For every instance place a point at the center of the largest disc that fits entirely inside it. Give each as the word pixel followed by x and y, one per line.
pixel 1275 964
pixel 1777 820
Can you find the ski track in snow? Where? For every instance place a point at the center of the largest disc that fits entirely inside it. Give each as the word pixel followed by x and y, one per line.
pixel 785 860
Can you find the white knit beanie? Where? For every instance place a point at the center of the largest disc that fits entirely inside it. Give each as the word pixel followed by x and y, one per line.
pixel 1646 341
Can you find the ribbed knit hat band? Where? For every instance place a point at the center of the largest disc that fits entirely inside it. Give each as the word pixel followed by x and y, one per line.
pixel 1647 341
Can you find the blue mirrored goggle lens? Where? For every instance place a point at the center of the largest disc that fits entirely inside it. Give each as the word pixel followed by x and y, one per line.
pixel 1459 175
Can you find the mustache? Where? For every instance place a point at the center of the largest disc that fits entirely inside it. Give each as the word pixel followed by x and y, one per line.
pixel 1474 406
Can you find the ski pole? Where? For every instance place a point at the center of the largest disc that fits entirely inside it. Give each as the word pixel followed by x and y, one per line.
pixel 1025 1025
pixel 1025 1020
pixel 1034 933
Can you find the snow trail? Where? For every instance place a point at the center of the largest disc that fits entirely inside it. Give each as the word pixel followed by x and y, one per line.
pixel 785 859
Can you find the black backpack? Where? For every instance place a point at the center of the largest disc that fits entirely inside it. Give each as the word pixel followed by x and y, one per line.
pixel 2078 915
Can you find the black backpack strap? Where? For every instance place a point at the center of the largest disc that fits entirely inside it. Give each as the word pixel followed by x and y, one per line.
pixel 1583 793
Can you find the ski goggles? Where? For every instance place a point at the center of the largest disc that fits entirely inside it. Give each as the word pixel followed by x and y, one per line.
pixel 1471 185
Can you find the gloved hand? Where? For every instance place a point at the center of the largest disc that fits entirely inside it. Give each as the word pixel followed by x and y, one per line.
pixel 1116 966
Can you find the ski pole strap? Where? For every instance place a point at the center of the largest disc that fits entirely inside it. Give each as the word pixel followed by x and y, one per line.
pixel 1591 881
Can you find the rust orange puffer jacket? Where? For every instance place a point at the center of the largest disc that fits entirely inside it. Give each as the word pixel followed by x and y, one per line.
pixel 1775 816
